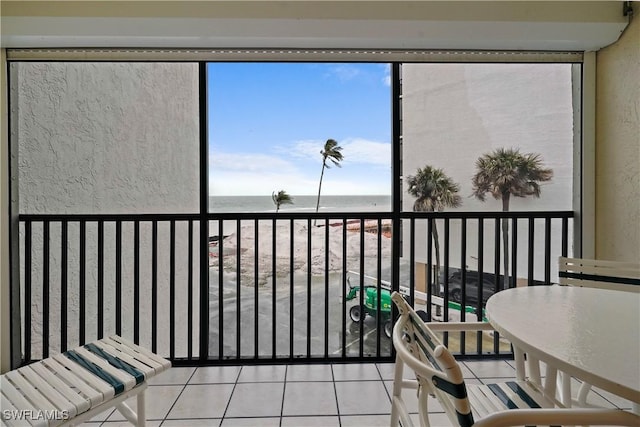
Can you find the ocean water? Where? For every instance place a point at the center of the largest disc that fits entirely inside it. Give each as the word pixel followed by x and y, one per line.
pixel 370 203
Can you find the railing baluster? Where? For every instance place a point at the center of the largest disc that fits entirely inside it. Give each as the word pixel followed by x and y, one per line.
pixel 45 289
pixel 480 304
pixel 530 262
pixel 547 250
pixel 118 277
pixel 412 267
pixel 496 269
pixel 136 282
pixel 291 288
pixel 83 278
pixel 326 287
pixel 64 236
pixel 309 287
pixel 379 324
pixel 154 286
pixel 429 269
pixel 362 291
pixel 273 290
pixel 190 292
pixel 172 289
pixel 255 288
pixel 27 289
pixel 221 289
pixel 445 314
pixel 344 288
pixel 238 293
pixel 463 265
pixel 514 253
pixel 100 279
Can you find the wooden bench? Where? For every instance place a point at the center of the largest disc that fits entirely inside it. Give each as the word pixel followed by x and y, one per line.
pixel 593 273
pixel 72 387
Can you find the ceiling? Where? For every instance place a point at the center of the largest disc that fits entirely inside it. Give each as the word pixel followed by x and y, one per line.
pixel 470 25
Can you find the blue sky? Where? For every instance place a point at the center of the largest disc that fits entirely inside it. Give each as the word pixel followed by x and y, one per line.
pixel 269 121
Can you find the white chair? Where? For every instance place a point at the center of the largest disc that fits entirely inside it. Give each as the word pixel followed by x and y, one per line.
pixel 512 403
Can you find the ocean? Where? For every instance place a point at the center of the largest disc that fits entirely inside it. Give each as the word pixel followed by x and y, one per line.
pixel 329 203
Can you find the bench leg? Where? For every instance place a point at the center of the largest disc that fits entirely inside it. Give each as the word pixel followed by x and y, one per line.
pixel 138 419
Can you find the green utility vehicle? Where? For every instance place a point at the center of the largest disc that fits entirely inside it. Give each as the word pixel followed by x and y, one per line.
pixel 370 306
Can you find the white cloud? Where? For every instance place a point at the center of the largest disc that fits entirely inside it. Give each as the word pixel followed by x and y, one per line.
pixel 248 162
pixel 344 72
pixel 386 80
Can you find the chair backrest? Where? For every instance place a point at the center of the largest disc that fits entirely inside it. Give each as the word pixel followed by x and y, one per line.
pixel 435 367
pixel 593 273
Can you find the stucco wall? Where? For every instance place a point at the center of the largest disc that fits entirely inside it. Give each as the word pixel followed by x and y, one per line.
pixel 454 113
pixel 618 147
pixel 106 138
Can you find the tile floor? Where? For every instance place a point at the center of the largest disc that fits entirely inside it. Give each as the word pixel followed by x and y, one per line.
pixel 341 395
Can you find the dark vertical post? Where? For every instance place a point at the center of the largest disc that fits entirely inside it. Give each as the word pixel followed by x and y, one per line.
pixel 100 279
pixel 445 311
pixel 238 281
pixel 45 289
pixel 496 268
pixel 274 225
pixel 344 288
pixel 27 290
pixel 514 252
pixel 530 261
pixel 547 250
pixel 326 287
pixel 154 286
pixel 291 288
pixel 190 293
pixel 379 323
pixel 396 187
pixel 83 280
pixel 255 289
pixel 429 273
pixel 309 287
pixel 119 277
pixel 172 289
pixel 480 305
pixel 463 266
pixel 362 291
pixel 136 282
pixel 221 288
pixel 64 236
pixel 204 209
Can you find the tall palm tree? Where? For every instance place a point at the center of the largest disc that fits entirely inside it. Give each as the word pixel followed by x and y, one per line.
pixel 434 191
pixel 332 152
pixel 504 173
pixel 281 198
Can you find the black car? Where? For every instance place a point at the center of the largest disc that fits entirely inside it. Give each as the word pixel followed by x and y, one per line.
pixel 471 286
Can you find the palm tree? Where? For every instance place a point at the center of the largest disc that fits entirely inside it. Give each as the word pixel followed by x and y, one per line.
pixel 434 191
pixel 332 152
pixel 505 173
pixel 281 198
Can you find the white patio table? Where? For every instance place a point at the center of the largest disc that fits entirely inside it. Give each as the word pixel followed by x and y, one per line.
pixel 587 333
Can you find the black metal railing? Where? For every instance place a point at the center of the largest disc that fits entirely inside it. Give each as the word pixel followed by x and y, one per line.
pixel 279 289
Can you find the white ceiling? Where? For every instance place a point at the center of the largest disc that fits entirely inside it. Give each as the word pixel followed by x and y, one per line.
pixel 556 26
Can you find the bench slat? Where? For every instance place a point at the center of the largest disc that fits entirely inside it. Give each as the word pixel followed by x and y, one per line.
pixel 84 390
pixel 126 357
pixel 153 361
pixel 18 400
pixel 80 403
pixel 128 380
pixel 77 371
pixel 162 363
pixel 45 388
pixel 7 405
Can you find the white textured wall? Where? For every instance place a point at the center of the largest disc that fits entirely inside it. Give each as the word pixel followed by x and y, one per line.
pixel 618 147
pixel 454 113
pixel 107 138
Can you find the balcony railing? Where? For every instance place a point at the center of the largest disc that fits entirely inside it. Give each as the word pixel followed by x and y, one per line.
pixel 254 288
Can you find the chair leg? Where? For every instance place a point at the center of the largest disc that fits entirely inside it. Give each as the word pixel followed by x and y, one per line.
pixel 142 410
pixel 397 391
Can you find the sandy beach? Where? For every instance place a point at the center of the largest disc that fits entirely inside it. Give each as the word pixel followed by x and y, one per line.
pixel 300 249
